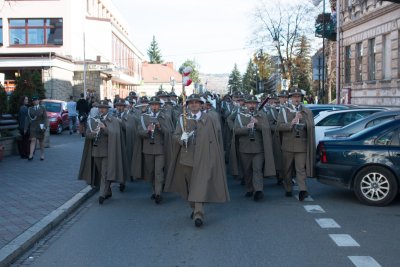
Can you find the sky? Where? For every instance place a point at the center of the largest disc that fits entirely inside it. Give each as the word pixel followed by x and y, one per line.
pixel 215 33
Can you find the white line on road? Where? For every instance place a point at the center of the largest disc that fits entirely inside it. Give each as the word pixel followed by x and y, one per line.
pixel 344 240
pixel 327 223
pixel 314 209
pixel 364 261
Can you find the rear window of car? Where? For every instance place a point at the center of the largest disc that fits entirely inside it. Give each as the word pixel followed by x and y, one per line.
pixel 52 107
pixel 332 120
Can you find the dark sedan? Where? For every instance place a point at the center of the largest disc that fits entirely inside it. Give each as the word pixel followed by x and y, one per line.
pixel 369 121
pixel 368 163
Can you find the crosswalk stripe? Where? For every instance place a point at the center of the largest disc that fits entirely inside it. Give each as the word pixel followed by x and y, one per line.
pixel 344 240
pixel 364 261
pixel 327 223
pixel 314 209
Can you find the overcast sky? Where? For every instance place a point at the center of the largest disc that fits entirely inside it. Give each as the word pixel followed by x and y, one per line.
pixel 215 33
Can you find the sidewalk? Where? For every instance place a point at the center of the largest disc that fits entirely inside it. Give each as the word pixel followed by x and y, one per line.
pixel 36 195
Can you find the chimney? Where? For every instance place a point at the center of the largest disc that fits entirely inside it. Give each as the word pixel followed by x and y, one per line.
pixel 98 58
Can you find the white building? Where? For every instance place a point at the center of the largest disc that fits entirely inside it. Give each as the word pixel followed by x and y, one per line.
pixel 62 38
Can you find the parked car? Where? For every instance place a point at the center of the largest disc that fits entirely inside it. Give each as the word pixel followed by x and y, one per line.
pixel 367 162
pixel 57 114
pixel 317 108
pixel 330 119
pixel 369 121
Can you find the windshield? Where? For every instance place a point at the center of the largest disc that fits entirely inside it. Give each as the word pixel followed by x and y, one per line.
pixel 52 107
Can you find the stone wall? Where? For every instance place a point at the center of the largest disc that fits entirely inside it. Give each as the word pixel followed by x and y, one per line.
pixel 57 83
pixel 93 82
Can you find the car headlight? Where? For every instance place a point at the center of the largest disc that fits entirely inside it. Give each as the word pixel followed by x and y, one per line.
pixel 53 119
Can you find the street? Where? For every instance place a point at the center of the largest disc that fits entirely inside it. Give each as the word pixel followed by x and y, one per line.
pixel 130 230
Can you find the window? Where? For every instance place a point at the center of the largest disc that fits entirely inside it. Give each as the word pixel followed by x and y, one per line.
pixel 387 57
pixel 347 64
pixel 385 139
pixel 371 59
pixel 36 31
pixel 358 70
pixel 332 120
pixel 1 32
pixel 378 121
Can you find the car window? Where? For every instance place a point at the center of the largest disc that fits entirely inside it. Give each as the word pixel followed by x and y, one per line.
pixel 351 117
pixel 332 120
pixel 378 121
pixel 52 107
pixel 385 139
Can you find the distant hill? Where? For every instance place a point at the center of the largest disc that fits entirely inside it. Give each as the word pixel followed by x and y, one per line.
pixel 215 82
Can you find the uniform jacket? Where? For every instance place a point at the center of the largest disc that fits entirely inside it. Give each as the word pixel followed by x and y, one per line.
pixel 306 141
pixel 208 182
pixel 241 132
pixel 37 117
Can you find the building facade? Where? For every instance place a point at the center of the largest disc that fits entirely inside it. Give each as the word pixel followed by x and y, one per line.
pixel 80 46
pixel 370 52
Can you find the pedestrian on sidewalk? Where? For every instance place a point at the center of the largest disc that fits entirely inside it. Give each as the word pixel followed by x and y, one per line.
pixel 82 107
pixel 102 161
pixel 23 123
pixel 71 108
pixel 38 123
pixel 197 168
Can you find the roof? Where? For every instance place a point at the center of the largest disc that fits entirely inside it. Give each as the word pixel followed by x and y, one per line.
pixel 159 73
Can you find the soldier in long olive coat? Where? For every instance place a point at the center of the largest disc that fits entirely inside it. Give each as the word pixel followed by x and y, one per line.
pixel 197 170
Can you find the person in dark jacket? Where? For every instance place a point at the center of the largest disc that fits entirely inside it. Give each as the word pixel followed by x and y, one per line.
pixel 23 142
pixel 82 107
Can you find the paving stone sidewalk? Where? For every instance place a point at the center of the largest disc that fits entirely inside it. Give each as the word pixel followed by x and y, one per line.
pixel 34 193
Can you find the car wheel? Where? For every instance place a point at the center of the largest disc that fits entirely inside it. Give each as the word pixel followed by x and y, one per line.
pixel 59 128
pixel 375 186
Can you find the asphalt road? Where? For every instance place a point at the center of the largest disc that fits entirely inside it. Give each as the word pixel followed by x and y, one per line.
pixel 130 230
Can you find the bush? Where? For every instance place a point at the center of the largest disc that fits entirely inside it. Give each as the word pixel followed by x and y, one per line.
pixel 29 83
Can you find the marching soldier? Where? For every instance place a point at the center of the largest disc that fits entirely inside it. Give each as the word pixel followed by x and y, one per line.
pixel 103 149
pixel 156 130
pixel 197 170
pixel 277 138
pixel 253 132
pixel 296 124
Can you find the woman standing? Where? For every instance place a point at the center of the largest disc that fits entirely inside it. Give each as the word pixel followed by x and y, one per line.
pixel 23 127
pixel 38 123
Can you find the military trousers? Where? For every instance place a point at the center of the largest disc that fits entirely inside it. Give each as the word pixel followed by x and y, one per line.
pixel 154 165
pixel 298 161
pixel 252 164
pixel 198 207
pixel 101 164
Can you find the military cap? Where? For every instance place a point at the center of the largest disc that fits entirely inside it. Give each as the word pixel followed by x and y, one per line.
pixel 283 93
pixel 155 100
pixel 34 98
pixel 194 97
pixel 132 94
pixel 103 104
pixel 172 94
pixel 296 91
pixel 251 99
pixel 162 94
pixel 120 102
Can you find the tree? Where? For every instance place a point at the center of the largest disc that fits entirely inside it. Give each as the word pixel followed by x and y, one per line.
pixel 302 70
pixel 235 80
pixel 250 77
pixel 194 75
pixel 154 52
pixel 282 27
pixel 3 100
pixel 29 83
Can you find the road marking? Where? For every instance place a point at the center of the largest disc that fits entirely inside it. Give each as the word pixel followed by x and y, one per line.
pixel 344 240
pixel 327 223
pixel 364 261
pixel 314 209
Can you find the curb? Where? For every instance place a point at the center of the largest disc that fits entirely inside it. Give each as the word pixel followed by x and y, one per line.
pixel 10 252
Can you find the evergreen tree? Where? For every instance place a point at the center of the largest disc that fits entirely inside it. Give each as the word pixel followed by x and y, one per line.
pixel 235 80
pixel 3 100
pixel 250 78
pixel 194 75
pixel 29 83
pixel 302 71
pixel 154 52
